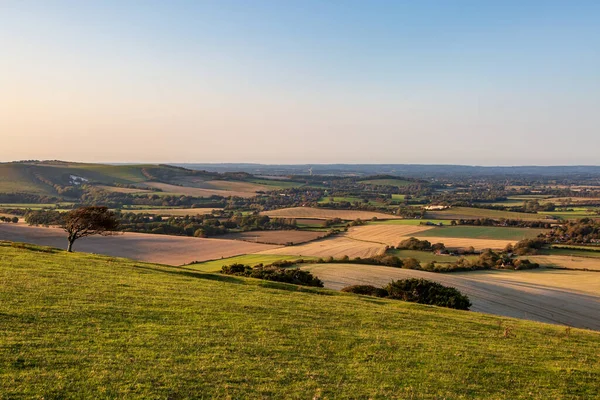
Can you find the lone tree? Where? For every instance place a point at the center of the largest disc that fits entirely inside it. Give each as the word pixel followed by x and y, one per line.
pixel 88 221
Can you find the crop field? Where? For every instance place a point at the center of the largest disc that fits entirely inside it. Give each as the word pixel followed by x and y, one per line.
pixel 337 247
pixel 554 296
pixel 163 249
pixel 87 327
pixel 283 237
pixel 473 213
pixel 179 212
pixel 247 259
pixel 484 232
pixel 324 213
pixel 568 261
pixel 196 191
pixel 390 235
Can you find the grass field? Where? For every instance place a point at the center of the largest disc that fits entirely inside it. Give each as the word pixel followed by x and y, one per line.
pixel 410 221
pixel 277 183
pixel 484 232
pixel 575 214
pixel 33 206
pixel 324 213
pixel 387 182
pixel 88 327
pixel 247 259
pixel 473 213
pixel 164 249
pixel 547 295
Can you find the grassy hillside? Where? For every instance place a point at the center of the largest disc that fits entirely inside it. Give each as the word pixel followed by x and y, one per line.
pixel 39 177
pixel 19 178
pixel 83 326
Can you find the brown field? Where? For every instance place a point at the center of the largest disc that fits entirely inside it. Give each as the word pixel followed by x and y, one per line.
pixel 386 234
pixel 196 191
pixel 569 262
pixel 324 213
pixel 337 246
pixel 181 212
pixel 276 237
pixel 463 243
pixel 163 249
pixel 554 296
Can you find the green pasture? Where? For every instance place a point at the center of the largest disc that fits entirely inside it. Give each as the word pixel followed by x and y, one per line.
pixel 93 327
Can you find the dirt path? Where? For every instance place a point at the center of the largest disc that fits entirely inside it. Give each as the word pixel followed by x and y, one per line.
pixel 163 249
pixel 553 296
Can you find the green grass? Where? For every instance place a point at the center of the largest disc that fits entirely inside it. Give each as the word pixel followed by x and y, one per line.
pixel 411 221
pixel 400 197
pixel 483 232
pixel 576 214
pixel 277 183
pixel 339 199
pixel 473 213
pixel 387 182
pixel 88 327
pixel 426 256
pixel 33 206
pixel 20 178
pixel 248 259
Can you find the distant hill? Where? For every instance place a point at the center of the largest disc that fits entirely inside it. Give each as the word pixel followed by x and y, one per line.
pixel 58 178
pixel 87 326
pixel 407 170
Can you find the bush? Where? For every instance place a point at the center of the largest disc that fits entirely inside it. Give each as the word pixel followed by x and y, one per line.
pixel 274 273
pixel 367 290
pixel 426 292
pixel 415 244
pixel 525 264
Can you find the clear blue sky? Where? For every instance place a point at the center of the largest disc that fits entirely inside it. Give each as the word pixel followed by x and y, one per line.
pixel 463 82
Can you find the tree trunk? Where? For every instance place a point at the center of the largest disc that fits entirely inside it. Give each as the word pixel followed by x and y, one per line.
pixel 70 248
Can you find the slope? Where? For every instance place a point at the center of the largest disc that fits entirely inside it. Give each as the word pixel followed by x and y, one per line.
pixel 83 326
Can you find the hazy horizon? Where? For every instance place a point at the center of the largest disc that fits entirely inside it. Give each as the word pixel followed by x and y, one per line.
pixel 498 83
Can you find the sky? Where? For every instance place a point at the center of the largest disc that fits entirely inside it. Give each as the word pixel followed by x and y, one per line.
pixel 428 82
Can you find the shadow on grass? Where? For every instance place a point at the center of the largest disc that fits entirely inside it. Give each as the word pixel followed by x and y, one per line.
pixel 239 281
pixel 197 275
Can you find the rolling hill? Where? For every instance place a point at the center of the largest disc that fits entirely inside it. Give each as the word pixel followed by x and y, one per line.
pixel 87 326
pixel 51 178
